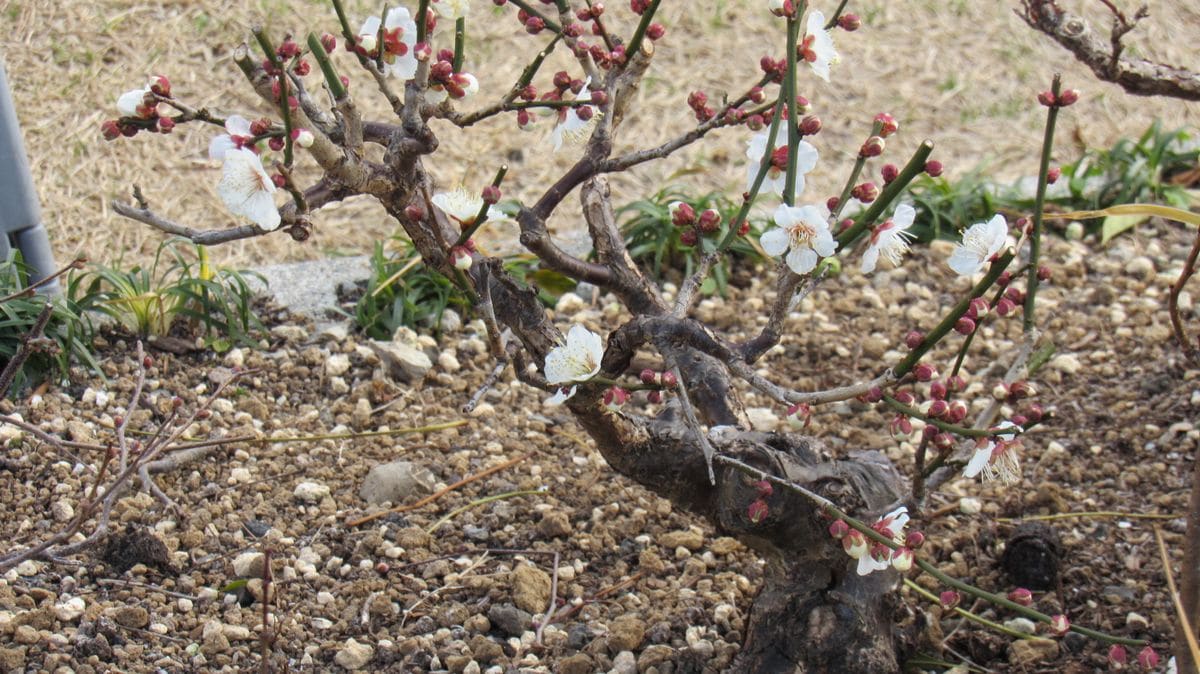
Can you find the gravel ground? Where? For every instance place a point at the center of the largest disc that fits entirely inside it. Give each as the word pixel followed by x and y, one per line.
pixel 638 585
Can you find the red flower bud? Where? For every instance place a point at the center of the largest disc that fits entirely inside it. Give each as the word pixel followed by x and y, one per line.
pixel 278 180
pixel 648 376
pixel 810 125
pixel 872 148
pixel 110 129
pixel 1044 274
pixel 1005 307
pixel 655 31
pixel 1060 625
pixel 491 194
pixel 534 25
pixel 849 22
pixel 758 511
pixel 710 221
pixel 414 212
pixel 937 390
pixel 160 86
pixel 275 143
pixel 1046 98
pixel 914 540
pixel 328 42
pixel 1053 175
pixel 832 203
pixel 887 125
pixel 964 326
pixel 1118 657
pixel 1021 596
pixel 1068 97
pixel 287 49
pixel 839 529
pixel 889 172
pixel 914 338
pixel 924 372
pixel 933 167
pixel 949 599
pixel 654 397
pixel 764 488
pixel 668 379
pixel 865 192
pixel 688 237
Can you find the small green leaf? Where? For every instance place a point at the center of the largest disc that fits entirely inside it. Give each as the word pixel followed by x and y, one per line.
pixel 234 586
pixel 1115 224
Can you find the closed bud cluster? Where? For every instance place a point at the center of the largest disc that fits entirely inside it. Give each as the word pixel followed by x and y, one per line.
pixel 710 221
pixel 849 22
pixel 865 192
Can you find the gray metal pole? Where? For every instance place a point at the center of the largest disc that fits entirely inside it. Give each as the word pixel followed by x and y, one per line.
pixel 20 214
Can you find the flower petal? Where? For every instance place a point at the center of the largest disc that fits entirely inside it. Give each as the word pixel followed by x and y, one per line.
pixel 904 216
pixel 964 261
pixel 560 396
pixel 774 241
pixel 802 260
pixel 979 459
pixel 869 259
pixel 219 146
pixel 237 125
pixel 247 190
pixel 128 102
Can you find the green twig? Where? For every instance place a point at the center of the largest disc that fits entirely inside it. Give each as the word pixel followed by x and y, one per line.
pixel 460 39
pixel 322 58
pixel 789 95
pixel 281 76
pixel 497 497
pixel 915 165
pixel 912 585
pixel 521 4
pixel 635 42
pixel 1035 239
pixel 481 217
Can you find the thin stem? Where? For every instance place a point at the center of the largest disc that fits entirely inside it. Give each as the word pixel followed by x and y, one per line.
pixel 912 585
pixel 1035 239
pixel 422 23
pixel 285 109
pixel 521 4
pixel 460 38
pixel 473 504
pixel 837 13
pixel 763 167
pixel 954 314
pixel 915 165
pixel 635 42
pixel 789 95
pixel 322 58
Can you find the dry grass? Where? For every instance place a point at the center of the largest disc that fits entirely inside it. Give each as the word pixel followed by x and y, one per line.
pixel 961 73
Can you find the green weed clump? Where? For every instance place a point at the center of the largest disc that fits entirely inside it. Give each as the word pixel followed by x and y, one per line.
pixel 179 290
pixel 67 337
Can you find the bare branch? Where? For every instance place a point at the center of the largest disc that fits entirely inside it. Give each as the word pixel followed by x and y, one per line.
pixel 1137 76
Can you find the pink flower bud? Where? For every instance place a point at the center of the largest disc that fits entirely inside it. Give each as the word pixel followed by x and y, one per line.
pixel 615 397
pixel 757 95
pixel 574 29
pixel 810 125
pixel 913 339
pixel 1053 175
pixel 278 180
pixel 765 488
pixel 802 105
pixel 1022 389
pixel 287 49
pixel 1021 596
pixel 1060 624
pixel 943 440
pixel 914 540
pixel 1044 273
pixel 328 42
pixel 1034 412
pixel 849 22
pixel 1068 97
pixel 534 25
pixel 937 390
pixel 1147 658
pixel 964 326
pixel 523 118
pixel 957 412
pixel 933 168
pixel 1005 307
pixel 900 427
pixel 648 377
pixel 855 544
pixel 160 86
pixel 1046 98
pixel 668 379
pixel 938 408
pixel 956 383
pixel 422 52
pixel 904 397
pixel 697 100
pixel 865 192
pixel 688 237
pixel 491 194
pixel 839 529
pixel 925 372
pixel 832 203
pixel 949 599
pixel 979 307
pixel 710 221
pixel 461 257
pixel 758 511
pixel 110 129
pixel 275 143
pixel 655 31
pixel 302 68
pixel 889 172
pixel 302 137
pixel 872 148
pixel 887 126
pixel 902 559
pixel 1117 656
pixel 880 552
pixel 654 397
pixel 1015 294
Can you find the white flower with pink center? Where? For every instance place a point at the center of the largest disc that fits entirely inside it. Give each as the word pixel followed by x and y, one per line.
pixel 803 233
pixel 237 135
pixel 817 47
pixel 776 177
pixel 890 526
pixel 890 239
pixel 575 123
pixel 996 457
pixel 399 37
pixel 979 243
pixel 576 360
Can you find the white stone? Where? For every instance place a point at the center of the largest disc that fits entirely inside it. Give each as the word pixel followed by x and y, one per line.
pixel 248 565
pixel 970 506
pixel 569 303
pixel 235 358
pixel 1066 362
pixel 311 492
pixel 404 361
pixel 240 476
pixel 69 608
pixel 762 418
pixel 1022 625
pixel 353 655
pixel 449 362
pixel 62 511
pixel 337 365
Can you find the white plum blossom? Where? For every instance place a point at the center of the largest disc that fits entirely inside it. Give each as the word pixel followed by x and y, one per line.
pixel 979 243
pixel 890 239
pixel 776 178
pixel 452 9
pixel 804 233
pixel 129 102
pixel 247 190
pixel 577 360
pixel 996 456
pixel 890 526
pixel 237 135
pixel 399 38
pixel 571 125
pixel 464 206
pixel 817 47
